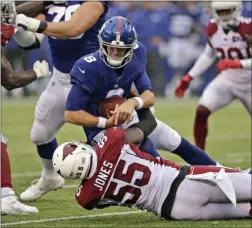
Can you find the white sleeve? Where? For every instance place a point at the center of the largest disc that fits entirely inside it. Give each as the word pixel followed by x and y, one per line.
pixel 24 38
pixel 204 61
pixel 246 64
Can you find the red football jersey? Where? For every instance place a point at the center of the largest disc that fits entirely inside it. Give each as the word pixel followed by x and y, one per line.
pixel 126 175
pixel 7 31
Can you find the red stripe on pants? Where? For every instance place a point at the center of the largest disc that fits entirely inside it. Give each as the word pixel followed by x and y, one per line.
pixel 205 169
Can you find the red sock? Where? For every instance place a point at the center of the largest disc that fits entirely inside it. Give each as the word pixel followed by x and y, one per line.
pixel 5 168
pixel 201 127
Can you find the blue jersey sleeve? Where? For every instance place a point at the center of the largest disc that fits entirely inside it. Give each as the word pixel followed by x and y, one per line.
pixel 106 5
pixel 142 83
pixel 77 99
pixel 84 74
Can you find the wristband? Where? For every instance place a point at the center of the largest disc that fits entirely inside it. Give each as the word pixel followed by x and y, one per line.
pixel 140 102
pixel 101 122
pixel 42 27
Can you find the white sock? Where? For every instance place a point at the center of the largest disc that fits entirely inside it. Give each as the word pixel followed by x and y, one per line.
pixel 48 169
pixel 6 191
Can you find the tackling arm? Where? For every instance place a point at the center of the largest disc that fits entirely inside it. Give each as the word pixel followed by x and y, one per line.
pixel 12 80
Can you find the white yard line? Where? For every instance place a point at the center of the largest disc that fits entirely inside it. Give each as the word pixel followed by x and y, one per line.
pixel 69 218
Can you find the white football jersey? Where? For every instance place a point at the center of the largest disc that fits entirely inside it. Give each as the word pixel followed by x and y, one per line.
pixel 156 179
pixel 231 45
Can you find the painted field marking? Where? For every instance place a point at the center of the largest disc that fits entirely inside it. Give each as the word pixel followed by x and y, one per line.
pixel 69 218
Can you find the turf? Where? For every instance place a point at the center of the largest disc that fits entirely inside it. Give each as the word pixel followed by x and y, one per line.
pixel 229 142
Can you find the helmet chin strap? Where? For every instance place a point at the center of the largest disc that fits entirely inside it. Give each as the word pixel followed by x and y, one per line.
pixel 113 62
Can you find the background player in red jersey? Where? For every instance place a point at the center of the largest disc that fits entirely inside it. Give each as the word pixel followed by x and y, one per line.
pixel 229 37
pixel 11 80
pixel 123 175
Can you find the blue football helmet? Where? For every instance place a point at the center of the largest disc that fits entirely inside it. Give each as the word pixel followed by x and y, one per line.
pixel 117 32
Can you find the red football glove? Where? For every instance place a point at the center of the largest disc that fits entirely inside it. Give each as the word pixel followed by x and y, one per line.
pixel 228 64
pixel 183 85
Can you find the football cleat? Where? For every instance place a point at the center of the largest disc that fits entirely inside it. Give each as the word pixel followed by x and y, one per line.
pixel 11 206
pixel 43 186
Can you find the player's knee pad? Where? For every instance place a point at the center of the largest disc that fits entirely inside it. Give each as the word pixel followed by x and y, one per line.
pixel 40 134
pixel 164 137
pixel 202 111
pixel 45 125
pixel 44 106
pixel 4 140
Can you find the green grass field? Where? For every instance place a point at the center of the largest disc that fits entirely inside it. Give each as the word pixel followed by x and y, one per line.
pixel 229 142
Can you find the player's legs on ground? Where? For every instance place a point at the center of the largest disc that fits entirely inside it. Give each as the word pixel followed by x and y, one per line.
pixel 9 201
pixel 49 118
pixel 165 138
pixel 200 200
pixel 217 95
pixel 241 182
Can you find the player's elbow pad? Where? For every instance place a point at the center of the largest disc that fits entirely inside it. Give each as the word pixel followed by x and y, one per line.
pixel 26 40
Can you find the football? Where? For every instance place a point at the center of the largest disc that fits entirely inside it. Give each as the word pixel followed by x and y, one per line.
pixel 109 105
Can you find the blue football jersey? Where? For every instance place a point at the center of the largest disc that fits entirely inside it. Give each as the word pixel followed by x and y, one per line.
pixel 101 81
pixel 65 52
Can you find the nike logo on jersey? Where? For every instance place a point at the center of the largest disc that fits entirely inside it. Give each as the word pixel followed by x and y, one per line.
pixel 82 71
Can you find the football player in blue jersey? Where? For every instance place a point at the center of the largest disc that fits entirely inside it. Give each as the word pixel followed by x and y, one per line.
pixel 72 27
pixel 119 63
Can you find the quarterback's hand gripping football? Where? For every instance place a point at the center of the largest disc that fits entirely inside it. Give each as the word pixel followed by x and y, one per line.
pixel 41 69
pixel 183 85
pixel 123 112
pixel 30 24
pixel 229 64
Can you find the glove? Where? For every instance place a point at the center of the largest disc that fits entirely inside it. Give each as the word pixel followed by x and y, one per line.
pixel 41 69
pixel 30 24
pixel 26 40
pixel 183 85
pixel 229 64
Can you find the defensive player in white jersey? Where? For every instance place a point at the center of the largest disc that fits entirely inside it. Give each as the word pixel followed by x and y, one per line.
pixel 72 27
pixel 229 38
pixel 122 174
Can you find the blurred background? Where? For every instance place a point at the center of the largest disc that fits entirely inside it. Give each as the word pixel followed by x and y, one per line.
pixel 172 32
